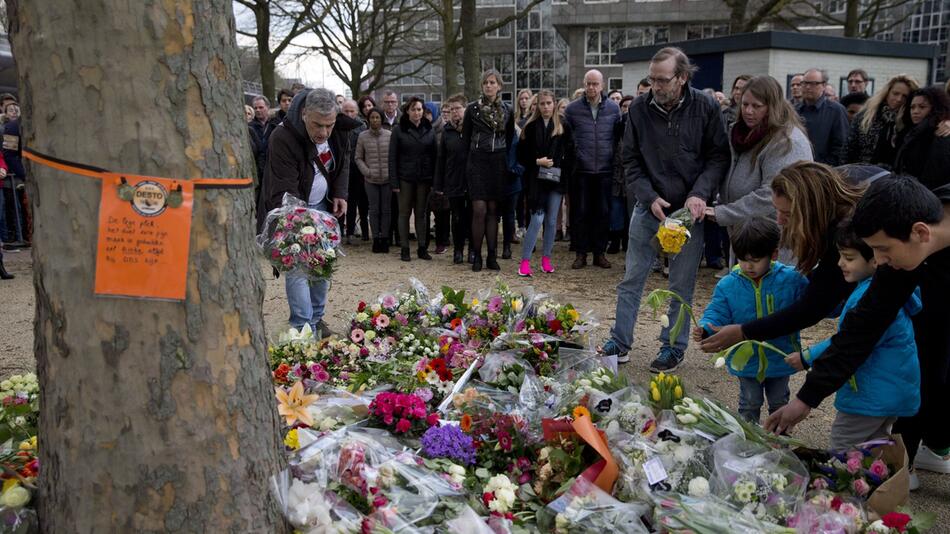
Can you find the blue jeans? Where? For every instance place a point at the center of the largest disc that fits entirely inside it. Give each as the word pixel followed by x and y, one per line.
pixel 307 299
pixel 639 263
pixel 752 395
pixel 547 216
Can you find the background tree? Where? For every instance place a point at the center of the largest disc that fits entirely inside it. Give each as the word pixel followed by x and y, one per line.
pixel 860 18
pixel 276 24
pixel 358 39
pixel 746 15
pixel 154 416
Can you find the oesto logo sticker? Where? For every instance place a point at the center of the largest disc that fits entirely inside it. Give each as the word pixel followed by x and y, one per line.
pixel 149 198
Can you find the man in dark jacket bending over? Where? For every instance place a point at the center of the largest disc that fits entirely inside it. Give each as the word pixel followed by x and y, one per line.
pixel 675 154
pixel 308 157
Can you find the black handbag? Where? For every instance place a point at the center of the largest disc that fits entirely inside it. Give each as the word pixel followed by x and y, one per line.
pixel 550 174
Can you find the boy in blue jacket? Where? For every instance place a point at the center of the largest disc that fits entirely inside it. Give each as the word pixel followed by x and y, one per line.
pixel 756 287
pixel 887 385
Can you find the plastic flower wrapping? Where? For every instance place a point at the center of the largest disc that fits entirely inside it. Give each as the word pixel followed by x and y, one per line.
pixel 673 232
pixel 298 239
pixel 460 413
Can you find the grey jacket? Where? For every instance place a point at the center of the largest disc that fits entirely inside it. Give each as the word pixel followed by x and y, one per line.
pixel 747 190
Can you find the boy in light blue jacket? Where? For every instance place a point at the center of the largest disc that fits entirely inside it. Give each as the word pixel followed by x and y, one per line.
pixel 887 385
pixel 756 287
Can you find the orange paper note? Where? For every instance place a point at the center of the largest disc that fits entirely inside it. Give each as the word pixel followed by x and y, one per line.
pixel 142 250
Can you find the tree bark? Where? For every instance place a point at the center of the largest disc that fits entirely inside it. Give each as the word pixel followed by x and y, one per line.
pixel 852 18
pixel 450 82
pixel 471 60
pixel 155 416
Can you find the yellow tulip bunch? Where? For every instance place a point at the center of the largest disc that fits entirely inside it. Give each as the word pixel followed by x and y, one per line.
pixel 665 390
pixel 673 232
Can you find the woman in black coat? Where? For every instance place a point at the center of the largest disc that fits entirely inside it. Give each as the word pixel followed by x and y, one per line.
pixel 921 153
pixel 487 130
pixel 411 168
pixel 545 144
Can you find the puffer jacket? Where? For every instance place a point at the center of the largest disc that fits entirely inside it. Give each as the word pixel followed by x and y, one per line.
pixel 737 300
pixel 674 155
pixel 888 383
pixel 747 189
pixel 372 155
pixel 593 138
pixel 411 152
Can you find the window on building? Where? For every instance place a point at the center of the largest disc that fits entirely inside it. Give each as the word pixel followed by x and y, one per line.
pixel 416 72
pixel 930 24
pixel 705 31
pixel 435 97
pixel 503 32
pixel 602 44
pixel 601 1
pixel 614 83
pixel 494 3
pixel 429 30
pixel 503 63
pixel 541 56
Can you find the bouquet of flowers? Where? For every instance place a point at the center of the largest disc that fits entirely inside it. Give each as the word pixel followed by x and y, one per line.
pixel 296 238
pixel 549 318
pixel 665 390
pixel 902 522
pixel 824 512
pixel 767 483
pixel 585 508
pixel 712 420
pixel 673 232
pixel 449 442
pixel 401 413
pixel 685 514
pixel 857 471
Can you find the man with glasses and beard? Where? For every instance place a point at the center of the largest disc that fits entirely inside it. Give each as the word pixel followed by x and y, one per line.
pixel 825 121
pixel 675 154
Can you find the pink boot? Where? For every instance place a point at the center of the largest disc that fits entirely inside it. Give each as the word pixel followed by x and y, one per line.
pixel 546 265
pixel 525 269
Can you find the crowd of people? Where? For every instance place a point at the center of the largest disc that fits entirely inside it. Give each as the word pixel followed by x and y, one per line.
pixel 776 186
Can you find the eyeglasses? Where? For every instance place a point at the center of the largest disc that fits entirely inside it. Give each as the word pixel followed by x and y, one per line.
pixel 856 80
pixel 812 84
pixel 660 81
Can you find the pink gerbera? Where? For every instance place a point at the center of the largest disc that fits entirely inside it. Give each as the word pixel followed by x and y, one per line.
pixel 357 335
pixel 382 320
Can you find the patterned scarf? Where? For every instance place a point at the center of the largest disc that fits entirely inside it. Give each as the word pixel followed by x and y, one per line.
pixel 493 113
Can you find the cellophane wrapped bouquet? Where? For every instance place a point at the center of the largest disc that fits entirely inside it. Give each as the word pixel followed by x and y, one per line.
pixel 298 239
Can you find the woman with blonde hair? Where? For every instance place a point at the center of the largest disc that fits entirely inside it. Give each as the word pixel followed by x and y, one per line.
pixel 767 137
pixel 546 150
pixel 522 109
pixel 874 129
pixel 487 131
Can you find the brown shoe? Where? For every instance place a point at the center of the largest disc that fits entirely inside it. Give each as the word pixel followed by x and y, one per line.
pixel 602 261
pixel 579 262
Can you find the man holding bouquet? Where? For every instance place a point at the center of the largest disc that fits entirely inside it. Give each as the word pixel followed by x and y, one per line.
pixel 675 154
pixel 307 157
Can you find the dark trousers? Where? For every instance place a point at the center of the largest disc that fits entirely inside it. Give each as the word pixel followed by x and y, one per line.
pixel 590 213
pixel 357 204
pixel 930 423
pixel 15 214
pixel 394 218
pixel 461 217
pixel 509 206
pixel 379 205
pixel 414 198
pixel 442 218
pixel 717 242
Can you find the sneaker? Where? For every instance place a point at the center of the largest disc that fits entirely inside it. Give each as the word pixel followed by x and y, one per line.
pixel 546 265
pixel 668 359
pixel 928 460
pixel 525 269
pixel 440 249
pixel 611 348
pixel 914 481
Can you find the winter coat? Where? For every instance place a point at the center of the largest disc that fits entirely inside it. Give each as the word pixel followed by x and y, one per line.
pixel 12 154
pixel 451 154
pixel 372 155
pixel 737 299
pixel 593 138
pixel 888 382
pixel 924 156
pixel 876 145
pixel 674 155
pixel 826 123
pixel 516 169
pixel 747 190
pixel 411 152
pixel 290 160
pixel 487 172
pixel 265 130
pixel 538 143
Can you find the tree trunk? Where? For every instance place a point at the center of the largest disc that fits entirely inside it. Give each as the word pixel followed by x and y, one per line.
pixel 155 416
pixel 851 18
pixel 737 14
pixel 265 58
pixel 450 70
pixel 471 64
pixel 268 83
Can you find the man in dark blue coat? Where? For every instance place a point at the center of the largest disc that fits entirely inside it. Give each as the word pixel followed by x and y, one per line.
pixel 593 119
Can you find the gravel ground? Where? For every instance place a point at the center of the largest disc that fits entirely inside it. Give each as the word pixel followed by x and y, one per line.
pixel 364 275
